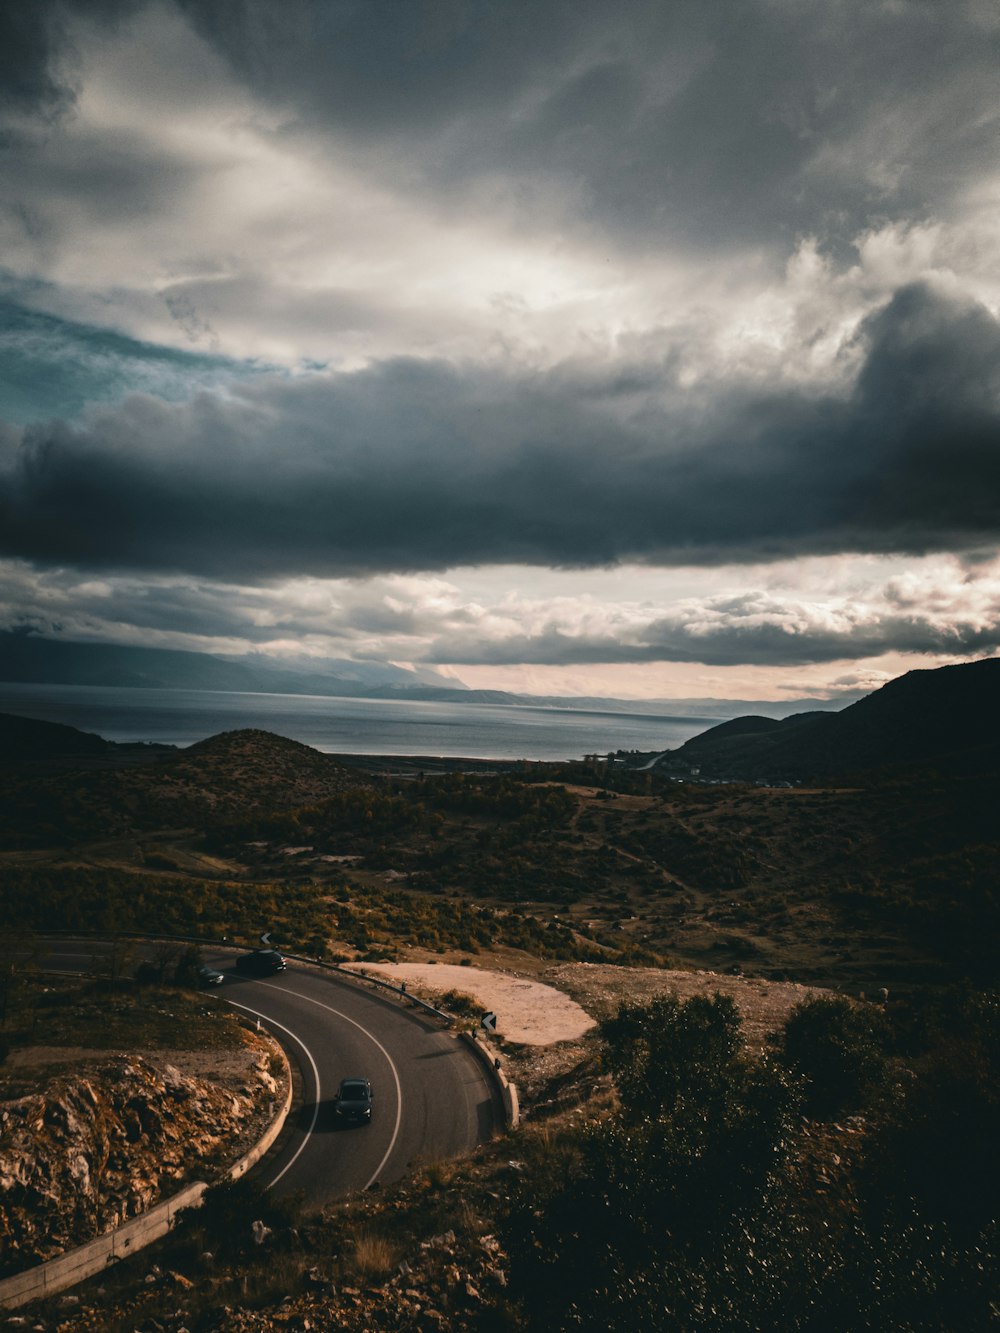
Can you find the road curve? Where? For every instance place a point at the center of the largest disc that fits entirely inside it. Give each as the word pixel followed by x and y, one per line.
pixel 432 1098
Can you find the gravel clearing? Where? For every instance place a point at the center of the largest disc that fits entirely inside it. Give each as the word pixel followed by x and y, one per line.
pixel 529 1013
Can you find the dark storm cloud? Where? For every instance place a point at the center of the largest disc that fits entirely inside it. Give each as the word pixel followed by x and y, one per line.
pixel 419 466
pixel 700 121
pixel 36 50
pixel 697 122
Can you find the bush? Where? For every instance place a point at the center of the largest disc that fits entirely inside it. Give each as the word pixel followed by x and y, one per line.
pixel 659 1053
pixel 838 1048
pixel 665 1203
pixel 374 1256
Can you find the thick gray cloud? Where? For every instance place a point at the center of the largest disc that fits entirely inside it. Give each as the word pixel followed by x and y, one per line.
pixel 36 51
pixel 420 466
pixel 729 638
pixel 699 120
pixel 578 287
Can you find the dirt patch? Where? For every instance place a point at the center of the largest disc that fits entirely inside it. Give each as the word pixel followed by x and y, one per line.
pixel 529 1013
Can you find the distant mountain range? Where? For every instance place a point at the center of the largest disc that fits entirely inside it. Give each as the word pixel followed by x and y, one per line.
pixel 949 717
pixel 31 659
pixel 28 658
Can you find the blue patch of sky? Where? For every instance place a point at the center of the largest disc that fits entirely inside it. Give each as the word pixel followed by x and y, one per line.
pixel 52 367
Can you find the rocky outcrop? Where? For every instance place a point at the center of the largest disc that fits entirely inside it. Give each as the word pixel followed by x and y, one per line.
pixel 101 1146
pixel 448 1284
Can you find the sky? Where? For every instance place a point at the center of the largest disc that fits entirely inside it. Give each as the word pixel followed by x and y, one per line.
pixel 648 349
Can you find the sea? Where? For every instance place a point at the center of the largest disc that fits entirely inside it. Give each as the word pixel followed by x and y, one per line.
pixel 351 726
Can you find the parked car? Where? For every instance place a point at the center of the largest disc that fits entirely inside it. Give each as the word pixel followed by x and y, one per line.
pixel 260 963
pixel 353 1102
pixel 207 976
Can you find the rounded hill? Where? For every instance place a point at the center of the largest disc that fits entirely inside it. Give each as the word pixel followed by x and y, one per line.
pixel 228 776
pixel 236 771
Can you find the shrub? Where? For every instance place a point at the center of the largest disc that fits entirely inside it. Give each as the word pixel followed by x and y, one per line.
pixel 658 1053
pixel 459 1003
pixel 838 1049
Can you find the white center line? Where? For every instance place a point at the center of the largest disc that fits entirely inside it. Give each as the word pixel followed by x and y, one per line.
pixel 395 1074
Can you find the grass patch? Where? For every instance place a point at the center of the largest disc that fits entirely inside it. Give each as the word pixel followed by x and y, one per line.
pixel 95 1015
pixel 374 1256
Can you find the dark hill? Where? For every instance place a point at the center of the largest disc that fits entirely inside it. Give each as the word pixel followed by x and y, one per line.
pixel 746 726
pixel 27 738
pixel 262 768
pixel 96 793
pixel 255 743
pixel 948 717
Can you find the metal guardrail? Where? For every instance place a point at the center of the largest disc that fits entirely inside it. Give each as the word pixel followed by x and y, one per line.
pixel 352 972
pixel 358 975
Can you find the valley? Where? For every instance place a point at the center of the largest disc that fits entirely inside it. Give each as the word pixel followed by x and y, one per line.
pixel 721 917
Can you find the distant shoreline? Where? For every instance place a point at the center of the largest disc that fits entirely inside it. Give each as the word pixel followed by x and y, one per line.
pixel 351 726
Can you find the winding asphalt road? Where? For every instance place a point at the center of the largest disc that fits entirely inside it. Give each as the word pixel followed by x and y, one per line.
pixel 433 1100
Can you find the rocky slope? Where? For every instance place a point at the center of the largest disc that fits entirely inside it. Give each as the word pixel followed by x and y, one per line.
pixel 105 1142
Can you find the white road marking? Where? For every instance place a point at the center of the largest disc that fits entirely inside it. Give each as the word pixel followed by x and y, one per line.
pixel 309 1056
pixel 389 1060
pixel 315 1116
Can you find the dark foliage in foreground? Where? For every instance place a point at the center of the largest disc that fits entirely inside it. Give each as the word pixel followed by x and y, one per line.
pixel 839 1050
pixel 686 1210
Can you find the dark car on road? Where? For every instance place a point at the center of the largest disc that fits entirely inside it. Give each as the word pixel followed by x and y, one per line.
pixel 260 963
pixel 208 976
pixel 353 1102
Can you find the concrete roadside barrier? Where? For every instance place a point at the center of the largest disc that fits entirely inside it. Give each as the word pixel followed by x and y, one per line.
pixel 491 1061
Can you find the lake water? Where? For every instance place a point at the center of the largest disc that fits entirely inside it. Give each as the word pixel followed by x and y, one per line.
pixel 350 726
